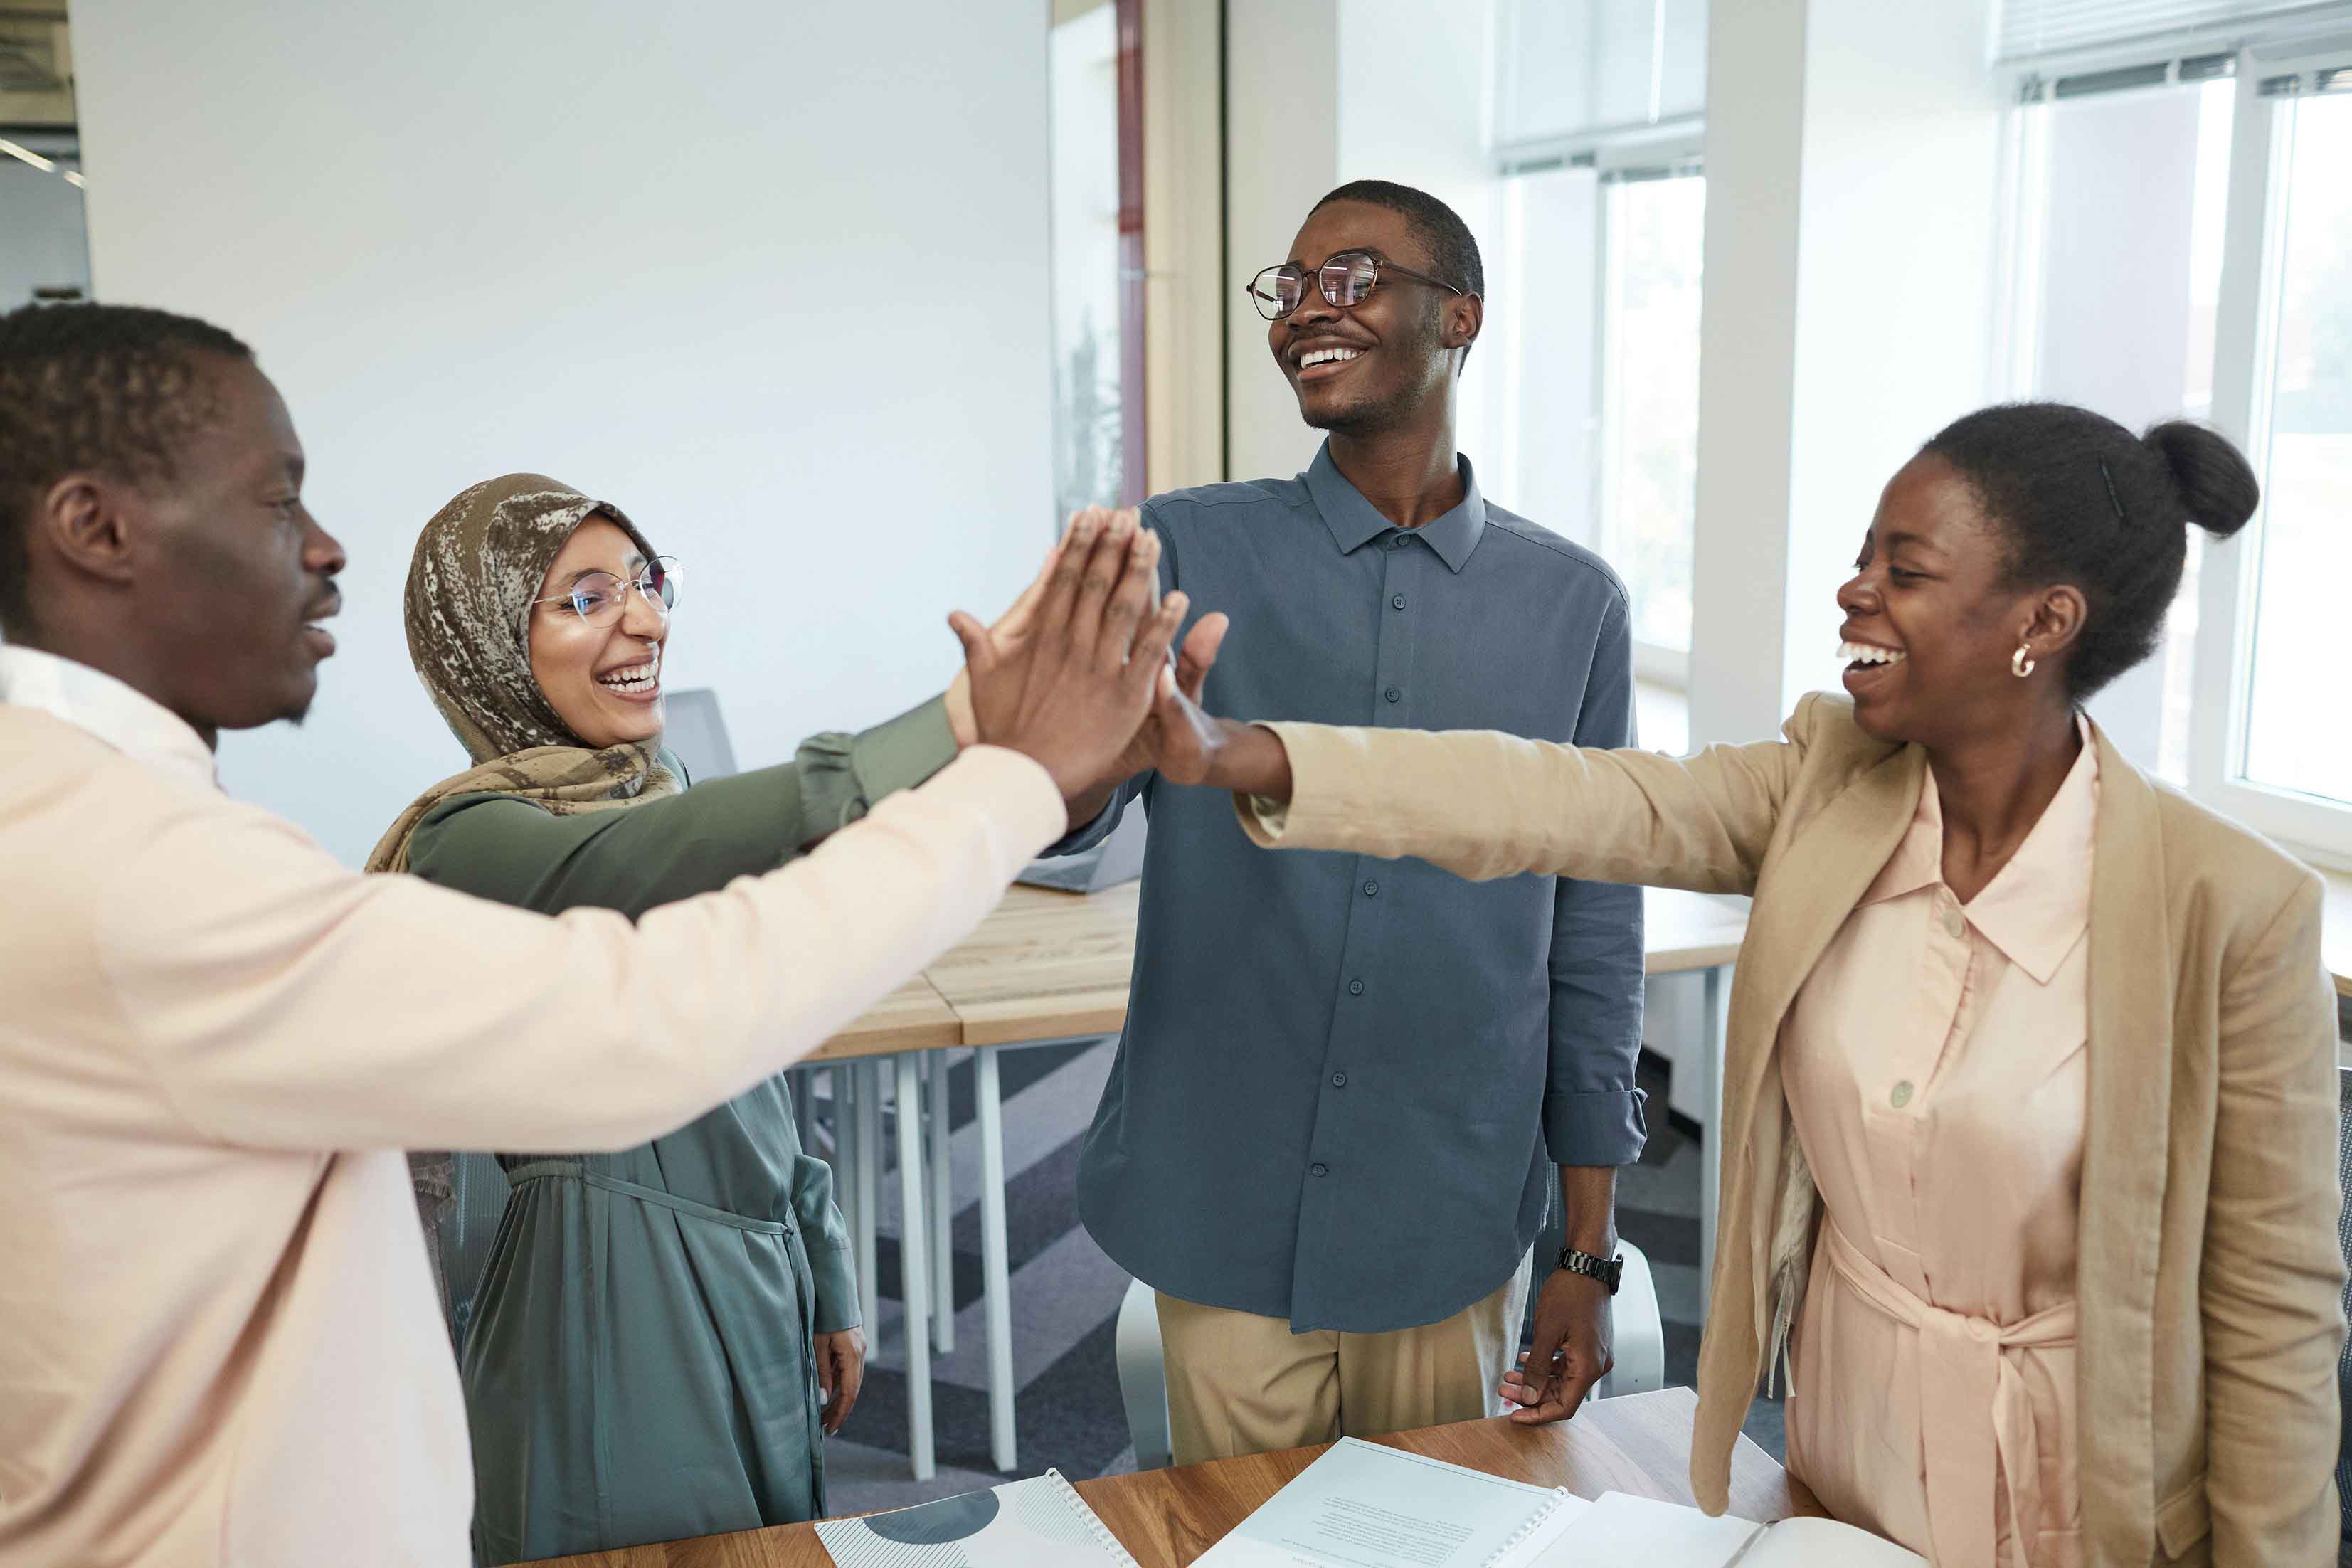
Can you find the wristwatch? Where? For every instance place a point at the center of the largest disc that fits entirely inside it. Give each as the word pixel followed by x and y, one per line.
pixel 1608 1270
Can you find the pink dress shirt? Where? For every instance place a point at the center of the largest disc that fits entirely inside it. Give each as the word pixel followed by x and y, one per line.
pixel 1935 1069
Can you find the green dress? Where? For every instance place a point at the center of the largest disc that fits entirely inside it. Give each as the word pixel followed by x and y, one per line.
pixel 638 1364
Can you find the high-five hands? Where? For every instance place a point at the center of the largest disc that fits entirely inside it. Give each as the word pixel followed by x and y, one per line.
pixel 1073 679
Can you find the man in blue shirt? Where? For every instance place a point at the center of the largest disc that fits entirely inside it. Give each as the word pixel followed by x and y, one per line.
pixel 1347 1086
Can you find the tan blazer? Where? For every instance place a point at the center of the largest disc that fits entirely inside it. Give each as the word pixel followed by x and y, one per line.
pixel 2209 1279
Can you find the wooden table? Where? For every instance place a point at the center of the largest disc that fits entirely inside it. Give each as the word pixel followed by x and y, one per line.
pixel 1639 1444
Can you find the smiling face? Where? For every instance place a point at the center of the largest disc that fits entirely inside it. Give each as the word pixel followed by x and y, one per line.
pixel 604 681
pixel 1381 362
pixel 1931 623
pixel 235 575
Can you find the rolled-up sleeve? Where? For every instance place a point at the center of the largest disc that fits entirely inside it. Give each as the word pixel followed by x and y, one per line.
pixel 1592 1111
pixel 841 775
pixel 825 1234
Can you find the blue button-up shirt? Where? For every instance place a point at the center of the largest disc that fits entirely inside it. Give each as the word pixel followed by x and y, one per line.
pixel 1344 1080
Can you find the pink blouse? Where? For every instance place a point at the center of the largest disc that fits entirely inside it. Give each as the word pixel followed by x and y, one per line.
pixel 1935 1071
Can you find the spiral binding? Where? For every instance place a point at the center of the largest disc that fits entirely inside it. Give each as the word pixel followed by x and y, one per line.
pixel 1095 1526
pixel 1509 1548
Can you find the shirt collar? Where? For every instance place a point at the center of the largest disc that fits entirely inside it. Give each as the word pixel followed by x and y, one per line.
pixel 2037 907
pixel 1355 522
pixel 130 722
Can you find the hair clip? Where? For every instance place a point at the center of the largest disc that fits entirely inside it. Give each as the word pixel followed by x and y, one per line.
pixel 2113 499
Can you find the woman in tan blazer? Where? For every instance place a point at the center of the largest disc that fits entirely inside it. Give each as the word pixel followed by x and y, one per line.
pixel 2032 1188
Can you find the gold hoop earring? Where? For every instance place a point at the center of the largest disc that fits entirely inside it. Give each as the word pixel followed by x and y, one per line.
pixel 2020 663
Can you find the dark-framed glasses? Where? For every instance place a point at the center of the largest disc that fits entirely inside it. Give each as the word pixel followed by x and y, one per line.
pixel 1346 280
pixel 598 597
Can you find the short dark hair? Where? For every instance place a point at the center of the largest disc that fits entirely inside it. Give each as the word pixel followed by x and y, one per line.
pixel 2078 499
pixel 1453 249
pixel 110 389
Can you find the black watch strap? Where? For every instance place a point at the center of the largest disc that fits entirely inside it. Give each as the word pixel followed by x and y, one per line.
pixel 1609 1271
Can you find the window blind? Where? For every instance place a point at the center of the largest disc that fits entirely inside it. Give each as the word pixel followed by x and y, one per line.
pixel 2029 30
pixel 1572 69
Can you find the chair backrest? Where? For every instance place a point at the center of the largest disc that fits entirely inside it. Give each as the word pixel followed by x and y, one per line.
pixel 2344 1240
pixel 692 728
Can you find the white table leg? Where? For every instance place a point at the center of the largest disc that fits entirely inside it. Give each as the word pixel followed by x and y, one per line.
pixel 996 1271
pixel 867 1108
pixel 914 1264
pixel 1714 1022
pixel 942 1209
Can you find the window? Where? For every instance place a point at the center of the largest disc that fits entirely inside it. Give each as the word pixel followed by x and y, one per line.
pixel 1595 376
pixel 1097 233
pixel 2182 246
pixel 2272 743
pixel 1649 397
pixel 2120 201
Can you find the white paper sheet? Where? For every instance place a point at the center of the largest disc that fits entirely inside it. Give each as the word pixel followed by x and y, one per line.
pixel 1620 1528
pixel 1362 1505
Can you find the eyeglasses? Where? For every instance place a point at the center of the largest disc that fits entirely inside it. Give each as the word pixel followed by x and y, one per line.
pixel 1345 280
pixel 599 597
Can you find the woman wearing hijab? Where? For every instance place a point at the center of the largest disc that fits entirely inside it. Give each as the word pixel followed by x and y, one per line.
pixel 2029 1118
pixel 653 1329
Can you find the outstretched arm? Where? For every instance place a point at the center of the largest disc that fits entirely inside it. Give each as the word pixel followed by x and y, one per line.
pixel 1484 804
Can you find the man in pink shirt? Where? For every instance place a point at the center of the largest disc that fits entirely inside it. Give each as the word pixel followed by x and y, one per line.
pixel 218 1342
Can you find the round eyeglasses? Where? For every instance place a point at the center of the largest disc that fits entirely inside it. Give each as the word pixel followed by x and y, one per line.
pixel 1345 280
pixel 598 597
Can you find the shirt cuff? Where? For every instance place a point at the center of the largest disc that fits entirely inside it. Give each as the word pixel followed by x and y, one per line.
pixel 1605 1127
pixel 902 752
pixel 836 1279
pixel 1078 841
pixel 1025 800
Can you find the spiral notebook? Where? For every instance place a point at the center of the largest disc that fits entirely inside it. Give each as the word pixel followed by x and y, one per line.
pixel 1036 1523
pixel 1361 1505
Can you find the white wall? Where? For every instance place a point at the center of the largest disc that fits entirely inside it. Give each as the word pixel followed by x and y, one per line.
pixel 779 293
pixel 1851 229
pixel 1282 155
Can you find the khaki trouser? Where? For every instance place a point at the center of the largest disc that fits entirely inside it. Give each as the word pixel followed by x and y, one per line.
pixel 1240 1383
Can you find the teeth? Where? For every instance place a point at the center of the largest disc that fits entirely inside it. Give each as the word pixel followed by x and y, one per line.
pixel 1318 356
pixel 635 678
pixel 1864 653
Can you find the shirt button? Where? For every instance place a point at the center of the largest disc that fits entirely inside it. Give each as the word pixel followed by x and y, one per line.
pixel 1394 694
pixel 1396 541
pixel 1355 988
pixel 1338 1080
pixel 1319 1169
pixel 1371 890
pixel 1397 602
pixel 1955 922
pixel 1902 1095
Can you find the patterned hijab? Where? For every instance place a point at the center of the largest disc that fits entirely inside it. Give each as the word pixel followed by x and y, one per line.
pixel 479 566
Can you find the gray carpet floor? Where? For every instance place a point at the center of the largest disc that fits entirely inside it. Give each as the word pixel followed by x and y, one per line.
pixel 1066 1294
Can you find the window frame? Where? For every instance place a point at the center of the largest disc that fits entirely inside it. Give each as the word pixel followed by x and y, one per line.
pixel 1680 154
pixel 2244 358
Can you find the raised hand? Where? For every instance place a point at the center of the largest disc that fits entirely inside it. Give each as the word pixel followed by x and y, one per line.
pixel 1010 630
pixel 1074 685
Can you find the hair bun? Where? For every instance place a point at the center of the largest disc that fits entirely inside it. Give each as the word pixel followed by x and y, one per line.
pixel 2216 486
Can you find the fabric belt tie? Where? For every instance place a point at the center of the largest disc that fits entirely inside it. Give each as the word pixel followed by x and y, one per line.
pixel 571 1169
pixel 1961 1368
